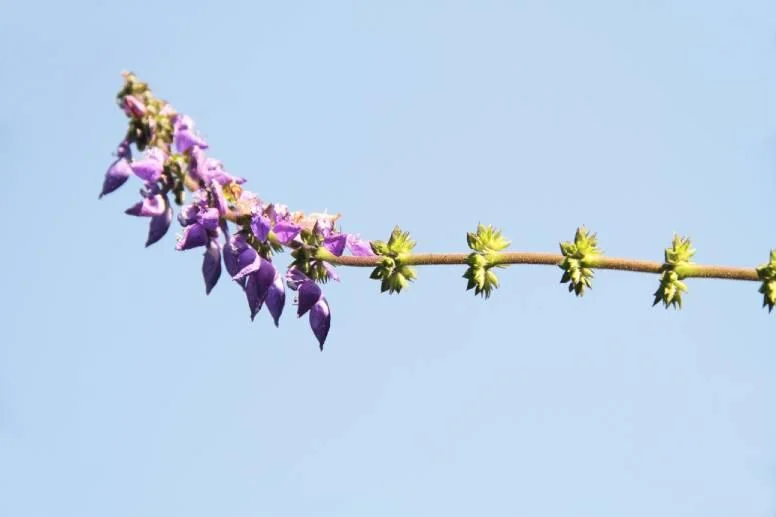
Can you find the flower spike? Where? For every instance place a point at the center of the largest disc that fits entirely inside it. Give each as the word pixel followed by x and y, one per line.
pixel 241 233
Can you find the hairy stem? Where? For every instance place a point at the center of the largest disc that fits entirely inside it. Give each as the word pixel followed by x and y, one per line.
pixel 554 259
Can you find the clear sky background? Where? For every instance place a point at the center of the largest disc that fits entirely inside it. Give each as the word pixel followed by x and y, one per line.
pixel 125 391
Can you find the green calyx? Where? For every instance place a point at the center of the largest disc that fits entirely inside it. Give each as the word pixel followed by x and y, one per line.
pixel 309 255
pixel 154 128
pixel 132 86
pixel 486 243
pixel 767 273
pixel 486 239
pixel 393 274
pixel 578 260
pixel 174 175
pixel 676 268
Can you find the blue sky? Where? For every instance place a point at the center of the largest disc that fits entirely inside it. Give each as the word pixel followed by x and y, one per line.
pixel 125 391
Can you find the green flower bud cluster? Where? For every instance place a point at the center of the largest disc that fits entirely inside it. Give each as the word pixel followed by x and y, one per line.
pixel 578 260
pixel 175 176
pixel 309 255
pixel 486 243
pixel 153 127
pixel 393 273
pixel 767 273
pixel 675 269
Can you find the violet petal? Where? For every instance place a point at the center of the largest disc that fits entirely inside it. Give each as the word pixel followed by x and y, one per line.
pixel 159 225
pixel 320 320
pixel 260 225
pixel 286 231
pixel 309 294
pixel 194 236
pixel 148 207
pixel 358 247
pixel 335 243
pixel 150 167
pixel 211 265
pixel 209 218
pixel 276 298
pixel 116 176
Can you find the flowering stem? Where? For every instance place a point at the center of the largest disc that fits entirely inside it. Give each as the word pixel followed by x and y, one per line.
pixel 554 259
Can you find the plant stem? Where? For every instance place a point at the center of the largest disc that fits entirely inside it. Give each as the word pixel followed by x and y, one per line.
pixel 554 259
pixel 529 257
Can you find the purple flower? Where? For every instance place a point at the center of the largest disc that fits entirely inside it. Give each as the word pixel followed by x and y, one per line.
pixel 124 150
pixel 335 243
pixel 240 258
pixel 258 284
pixel 276 297
pixel 331 273
pixel 211 265
pixel 278 213
pixel 256 275
pixel 260 223
pixel 286 231
pixel 184 135
pixel 118 174
pixel 119 171
pixel 205 169
pixel 150 167
pixel 153 204
pixel 358 247
pixel 310 299
pixel 134 107
pixel 202 227
pixel 320 320
pixel 159 225
pixel 200 224
pixel 156 206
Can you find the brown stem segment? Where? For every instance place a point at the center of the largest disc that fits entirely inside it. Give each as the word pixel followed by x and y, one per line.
pixel 554 259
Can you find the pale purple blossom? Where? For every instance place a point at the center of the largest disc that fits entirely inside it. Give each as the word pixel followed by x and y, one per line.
pixel 119 171
pixel 205 169
pixel 156 206
pixel 358 247
pixel 256 275
pixel 200 224
pixel 118 174
pixel 133 107
pixel 184 134
pixel 150 166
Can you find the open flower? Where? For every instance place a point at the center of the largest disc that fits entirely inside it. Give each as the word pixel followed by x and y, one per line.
pixel 119 171
pixel 150 166
pixel 201 227
pixel 200 224
pixel 156 206
pixel 205 169
pixel 358 247
pixel 256 275
pixel 184 134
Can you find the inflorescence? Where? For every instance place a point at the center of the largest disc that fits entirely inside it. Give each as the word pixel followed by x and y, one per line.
pixel 238 229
